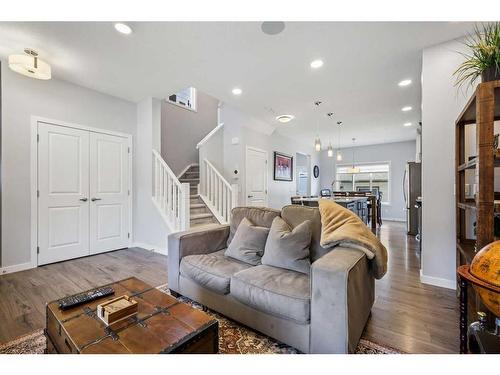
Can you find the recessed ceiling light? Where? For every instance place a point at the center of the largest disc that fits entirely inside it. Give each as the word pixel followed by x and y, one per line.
pixel 404 82
pixel 237 91
pixel 406 109
pixel 123 28
pixel 316 64
pixel 285 118
pixel 407 124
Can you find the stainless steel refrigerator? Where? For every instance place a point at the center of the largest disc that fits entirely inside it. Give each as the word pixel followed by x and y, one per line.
pixel 412 186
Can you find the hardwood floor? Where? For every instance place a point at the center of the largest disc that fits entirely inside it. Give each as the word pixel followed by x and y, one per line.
pixel 23 294
pixel 407 315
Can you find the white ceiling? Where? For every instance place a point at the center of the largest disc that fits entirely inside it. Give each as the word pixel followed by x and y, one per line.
pixel 358 82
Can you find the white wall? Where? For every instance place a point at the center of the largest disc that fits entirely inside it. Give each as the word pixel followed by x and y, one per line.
pixel 398 154
pixel 441 105
pixel 150 231
pixel 22 98
pixel 253 132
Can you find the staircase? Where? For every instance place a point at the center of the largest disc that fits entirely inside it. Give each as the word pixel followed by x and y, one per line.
pixel 199 195
pixel 199 213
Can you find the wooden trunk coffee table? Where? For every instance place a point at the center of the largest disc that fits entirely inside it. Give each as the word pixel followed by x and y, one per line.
pixel 163 325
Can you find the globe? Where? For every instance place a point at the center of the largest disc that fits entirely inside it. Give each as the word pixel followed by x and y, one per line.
pixel 486 267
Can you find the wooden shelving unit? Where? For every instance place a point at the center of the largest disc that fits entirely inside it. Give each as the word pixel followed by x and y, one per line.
pixel 482 110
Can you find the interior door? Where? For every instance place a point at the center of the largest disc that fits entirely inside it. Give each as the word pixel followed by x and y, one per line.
pixel 63 189
pixel 256 177
pixel 109 192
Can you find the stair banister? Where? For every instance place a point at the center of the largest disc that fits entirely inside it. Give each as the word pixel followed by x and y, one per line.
pixel 170 196
pixel 209 135
pixel 217 193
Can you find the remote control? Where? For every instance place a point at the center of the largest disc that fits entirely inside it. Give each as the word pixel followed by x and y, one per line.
pixel 72 301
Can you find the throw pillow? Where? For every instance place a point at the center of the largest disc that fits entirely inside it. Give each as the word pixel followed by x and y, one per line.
pixel 288 248
pixel 248 243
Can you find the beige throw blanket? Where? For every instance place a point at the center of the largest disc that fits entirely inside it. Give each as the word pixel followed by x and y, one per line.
pixel 340 226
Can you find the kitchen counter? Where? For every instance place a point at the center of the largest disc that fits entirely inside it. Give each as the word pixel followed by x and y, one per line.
pixel 358 205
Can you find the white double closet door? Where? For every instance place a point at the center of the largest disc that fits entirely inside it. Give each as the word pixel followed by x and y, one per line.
pixel 83 193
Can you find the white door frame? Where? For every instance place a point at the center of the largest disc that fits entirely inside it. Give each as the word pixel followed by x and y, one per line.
pixel 309 171
pixel 34 175
pixel 267 172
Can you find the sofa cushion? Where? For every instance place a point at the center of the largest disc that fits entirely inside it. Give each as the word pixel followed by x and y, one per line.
pixel 288 248
pixel 248 243
pixel 275 291
pixel 295 215
pixel 261 216
pixel 212 271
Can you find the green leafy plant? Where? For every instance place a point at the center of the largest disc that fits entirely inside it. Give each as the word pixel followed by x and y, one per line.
pixel 484 53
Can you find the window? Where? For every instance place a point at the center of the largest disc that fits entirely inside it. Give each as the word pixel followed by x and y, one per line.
pixel 185 98
pixel 374 177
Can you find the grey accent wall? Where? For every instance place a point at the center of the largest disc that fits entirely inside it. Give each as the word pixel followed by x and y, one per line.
pixel 398 154
pixel 182 129
pixel 22 98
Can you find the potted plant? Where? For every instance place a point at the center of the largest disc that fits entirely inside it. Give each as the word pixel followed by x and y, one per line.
pixel 483 58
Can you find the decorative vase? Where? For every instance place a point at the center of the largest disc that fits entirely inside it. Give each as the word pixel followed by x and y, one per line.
pixel 490 74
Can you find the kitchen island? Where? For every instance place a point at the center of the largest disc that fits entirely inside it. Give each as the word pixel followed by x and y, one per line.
pixel 358 205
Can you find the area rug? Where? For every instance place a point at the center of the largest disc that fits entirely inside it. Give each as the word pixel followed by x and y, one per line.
pixel 233 339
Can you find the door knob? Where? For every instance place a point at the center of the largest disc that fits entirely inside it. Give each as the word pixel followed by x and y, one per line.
pixel 250 196
pixel 84 199
pixel 95 199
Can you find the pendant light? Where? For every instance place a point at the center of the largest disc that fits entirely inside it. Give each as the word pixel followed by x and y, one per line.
pixel 317 144
pixel 30 65
pixel 330 150
pixel 354 169
pixel 339 154
pixel 317 141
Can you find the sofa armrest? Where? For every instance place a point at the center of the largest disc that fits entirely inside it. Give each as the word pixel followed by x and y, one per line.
pixel 202 240
pixel 342 295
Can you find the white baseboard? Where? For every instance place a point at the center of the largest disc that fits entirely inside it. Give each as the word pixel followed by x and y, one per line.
pixel 15 268
pixel 437 281
pixel 150 247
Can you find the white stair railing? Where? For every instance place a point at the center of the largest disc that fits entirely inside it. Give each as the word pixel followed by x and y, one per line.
pixel 170 196
pixel 218 194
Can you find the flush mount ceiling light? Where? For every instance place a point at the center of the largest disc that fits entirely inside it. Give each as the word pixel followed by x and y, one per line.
pixel 272 27
pixel 236 91
pixel 285 118
pixel 123 28
pixel 407 124
pixel 316 64
pixel 406 109
pixel 30 65
pixel 404 82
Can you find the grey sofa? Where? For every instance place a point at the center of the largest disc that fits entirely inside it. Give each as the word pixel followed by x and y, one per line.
pixel 324 312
